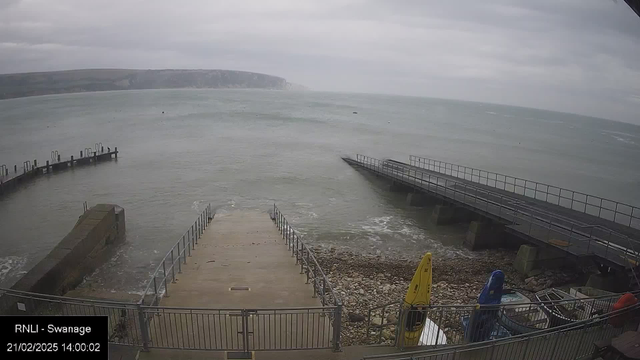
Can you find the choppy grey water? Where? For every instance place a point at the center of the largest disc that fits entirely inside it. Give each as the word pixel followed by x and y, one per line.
pixel 249 149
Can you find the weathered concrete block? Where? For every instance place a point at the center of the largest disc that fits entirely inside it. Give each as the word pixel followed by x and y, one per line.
pixel 419 199
pixel 442 214
pixel 530 257
pixel 526 259
pixel 78 254
pixel 482 235
pixel 398 187
pixel 609 282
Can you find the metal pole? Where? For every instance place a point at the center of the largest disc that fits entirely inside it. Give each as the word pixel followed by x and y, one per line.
pixel 308 266
pixel 173 267
pixel 337 324
pixel 302 259
pixel 184 249
pixel 164 272
pixel 142 323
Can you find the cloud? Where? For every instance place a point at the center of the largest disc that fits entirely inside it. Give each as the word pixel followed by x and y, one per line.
pixel 573 55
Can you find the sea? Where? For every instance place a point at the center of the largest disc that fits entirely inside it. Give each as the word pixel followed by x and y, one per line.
pixel 248 149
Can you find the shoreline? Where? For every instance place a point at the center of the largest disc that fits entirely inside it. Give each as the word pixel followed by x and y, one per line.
pixel 365 281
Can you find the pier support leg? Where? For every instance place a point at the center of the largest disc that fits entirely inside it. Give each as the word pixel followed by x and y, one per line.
pixel 526 259
pixel 419 199
pixel 530 257
pixel 398 187
pixel 483 235
pixel 610 282
pixel 443 214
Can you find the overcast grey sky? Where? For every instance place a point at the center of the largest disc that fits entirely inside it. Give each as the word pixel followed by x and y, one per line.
pixel 579 56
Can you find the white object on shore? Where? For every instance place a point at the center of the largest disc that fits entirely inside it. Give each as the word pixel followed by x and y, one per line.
pixel 431 333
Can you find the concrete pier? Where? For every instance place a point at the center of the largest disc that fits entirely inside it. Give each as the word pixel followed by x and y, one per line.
pixel 420 199
pixel 241 250
pixel 484 235
pixel 28 171
pixel 443 214
pixel 242 278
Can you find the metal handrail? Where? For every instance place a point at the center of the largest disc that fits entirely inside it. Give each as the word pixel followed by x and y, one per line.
pixel 307 260
pixel 176 255
pixel 507 305
pixel 476 175
pixel 64 299
pixel 447 187
pixel 574 224
pixel 310 266
pixel 456 349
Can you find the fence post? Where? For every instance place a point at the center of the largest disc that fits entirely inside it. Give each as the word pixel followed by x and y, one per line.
pixel 324 290
pixel 301 256
pixel 584 329
pixel 179 260
pixel 143 328
pixel 173 266
pixel 337 327
pixel 164 272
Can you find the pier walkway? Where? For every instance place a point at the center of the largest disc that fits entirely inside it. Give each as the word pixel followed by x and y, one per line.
pixel 240 283
pixel 16 175
pixel 241 261
pixel 577 233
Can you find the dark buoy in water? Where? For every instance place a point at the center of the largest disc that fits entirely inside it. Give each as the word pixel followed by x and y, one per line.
pixel 163 112
pixel 355 112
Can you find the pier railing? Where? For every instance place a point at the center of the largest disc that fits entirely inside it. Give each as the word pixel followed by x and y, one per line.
pixel 446 323
pixel 322 287
pixel 567 342
pixel 543 226
pixel 611 210
pixel 172 262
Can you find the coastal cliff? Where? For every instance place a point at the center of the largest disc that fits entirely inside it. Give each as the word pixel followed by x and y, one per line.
pixel 73 81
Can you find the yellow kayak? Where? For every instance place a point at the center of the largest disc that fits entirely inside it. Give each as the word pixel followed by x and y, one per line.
pixel 417 299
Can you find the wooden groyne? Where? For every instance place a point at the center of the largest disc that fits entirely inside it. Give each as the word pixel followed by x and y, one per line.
pixel 12 177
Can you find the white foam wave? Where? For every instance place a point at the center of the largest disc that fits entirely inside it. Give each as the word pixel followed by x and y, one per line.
pixel 11 266
pixel 621 139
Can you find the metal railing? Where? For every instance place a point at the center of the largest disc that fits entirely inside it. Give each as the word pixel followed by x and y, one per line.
pixel 124 318
pixel 543 226
pixel 460 324
pixel 177 256
pixel 242 330
pixel 570 341
pixel 611 210
pixel 309 265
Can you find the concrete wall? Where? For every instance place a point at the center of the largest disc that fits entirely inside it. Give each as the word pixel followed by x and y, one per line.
pixel 531 257
pixel 85 248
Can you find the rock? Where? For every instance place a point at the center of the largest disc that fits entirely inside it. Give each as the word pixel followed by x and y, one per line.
pixel 387 335
pixel 353 317
pixel 534 272
pixel 361 291
pixel 376 321
pixel 392 318
pixel 529 279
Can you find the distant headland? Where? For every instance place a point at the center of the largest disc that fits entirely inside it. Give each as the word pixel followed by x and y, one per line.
pixel 74 81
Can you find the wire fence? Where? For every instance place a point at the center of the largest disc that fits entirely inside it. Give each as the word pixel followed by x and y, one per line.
pixel 611 210
pixel 568 342
pixel 560 231
pixel 173 261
